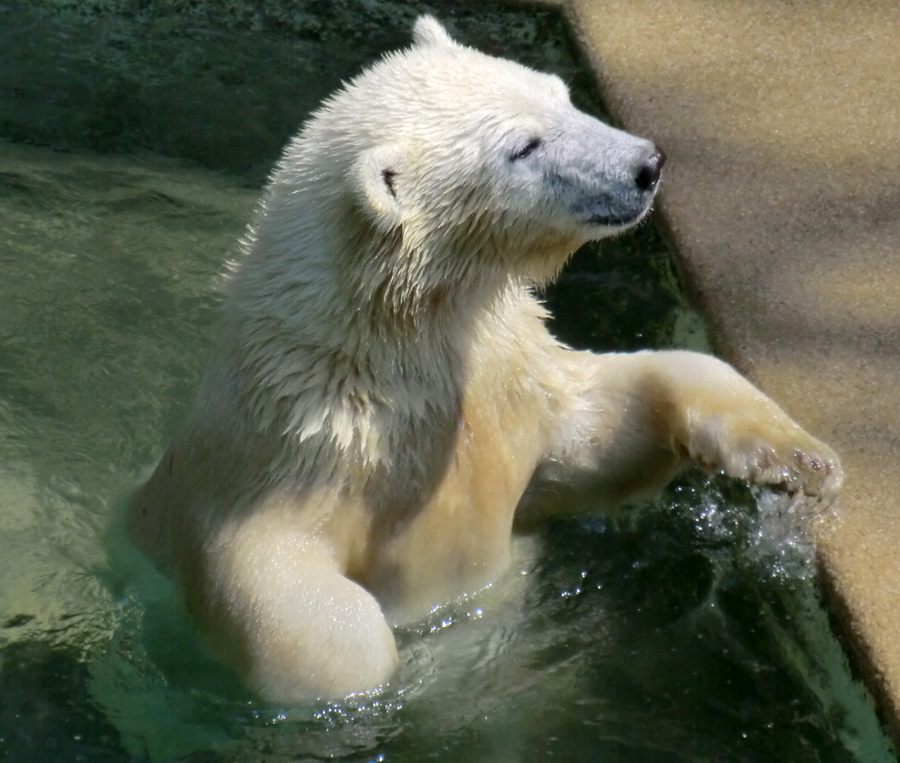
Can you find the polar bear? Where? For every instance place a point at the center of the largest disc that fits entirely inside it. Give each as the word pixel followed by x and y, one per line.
pixel 385 404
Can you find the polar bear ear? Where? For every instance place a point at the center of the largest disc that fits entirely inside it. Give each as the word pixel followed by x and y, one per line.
pixel 374 173
pixel 428 31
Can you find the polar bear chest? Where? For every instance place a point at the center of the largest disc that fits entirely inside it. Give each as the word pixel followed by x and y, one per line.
pixel 455 536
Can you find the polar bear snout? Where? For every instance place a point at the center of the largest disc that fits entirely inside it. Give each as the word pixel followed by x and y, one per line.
pixel 650 170
pixel 615 195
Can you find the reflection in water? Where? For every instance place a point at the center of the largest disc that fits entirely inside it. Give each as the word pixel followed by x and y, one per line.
pixel 685 630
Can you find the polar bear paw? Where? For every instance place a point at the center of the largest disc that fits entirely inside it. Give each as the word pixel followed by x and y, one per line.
pixel 770 450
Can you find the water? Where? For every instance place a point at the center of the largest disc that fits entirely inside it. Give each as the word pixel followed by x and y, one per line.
pixel 684 630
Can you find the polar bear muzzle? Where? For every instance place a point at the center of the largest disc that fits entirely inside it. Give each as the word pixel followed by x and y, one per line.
pixel 617 205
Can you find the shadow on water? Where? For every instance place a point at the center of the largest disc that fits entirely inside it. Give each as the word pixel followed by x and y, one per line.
pixel 135 139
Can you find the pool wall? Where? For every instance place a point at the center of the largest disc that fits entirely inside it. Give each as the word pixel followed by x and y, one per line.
pixel 782 198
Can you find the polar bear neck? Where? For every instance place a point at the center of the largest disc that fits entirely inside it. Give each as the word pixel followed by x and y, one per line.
pixel 315 273
pixel 351 339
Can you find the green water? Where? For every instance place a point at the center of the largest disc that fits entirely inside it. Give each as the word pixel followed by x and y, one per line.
pixel 685 630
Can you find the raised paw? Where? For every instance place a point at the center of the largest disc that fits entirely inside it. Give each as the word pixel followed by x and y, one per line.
pixel 764 447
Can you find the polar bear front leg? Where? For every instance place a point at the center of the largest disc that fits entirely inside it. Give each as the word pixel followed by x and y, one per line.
pixel 279 610
pixel 626 423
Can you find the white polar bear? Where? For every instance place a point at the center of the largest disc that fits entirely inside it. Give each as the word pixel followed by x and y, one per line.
pixel 385 401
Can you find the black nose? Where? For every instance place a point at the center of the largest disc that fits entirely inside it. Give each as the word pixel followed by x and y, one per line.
pixel 648 175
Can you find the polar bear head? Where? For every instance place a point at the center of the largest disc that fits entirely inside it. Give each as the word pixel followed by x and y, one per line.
pixel 464 136
pixel 440 170
pixel 464 139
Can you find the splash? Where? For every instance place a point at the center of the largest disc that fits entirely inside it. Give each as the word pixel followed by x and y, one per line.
pixel 768 533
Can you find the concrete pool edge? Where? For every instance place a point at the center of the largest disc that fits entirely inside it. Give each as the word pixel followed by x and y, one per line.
pixel 780 204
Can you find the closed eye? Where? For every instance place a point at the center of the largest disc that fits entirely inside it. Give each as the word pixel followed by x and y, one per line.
pixel 527 149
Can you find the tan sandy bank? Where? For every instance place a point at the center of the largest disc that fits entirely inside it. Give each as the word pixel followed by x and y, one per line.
pixel 782 195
